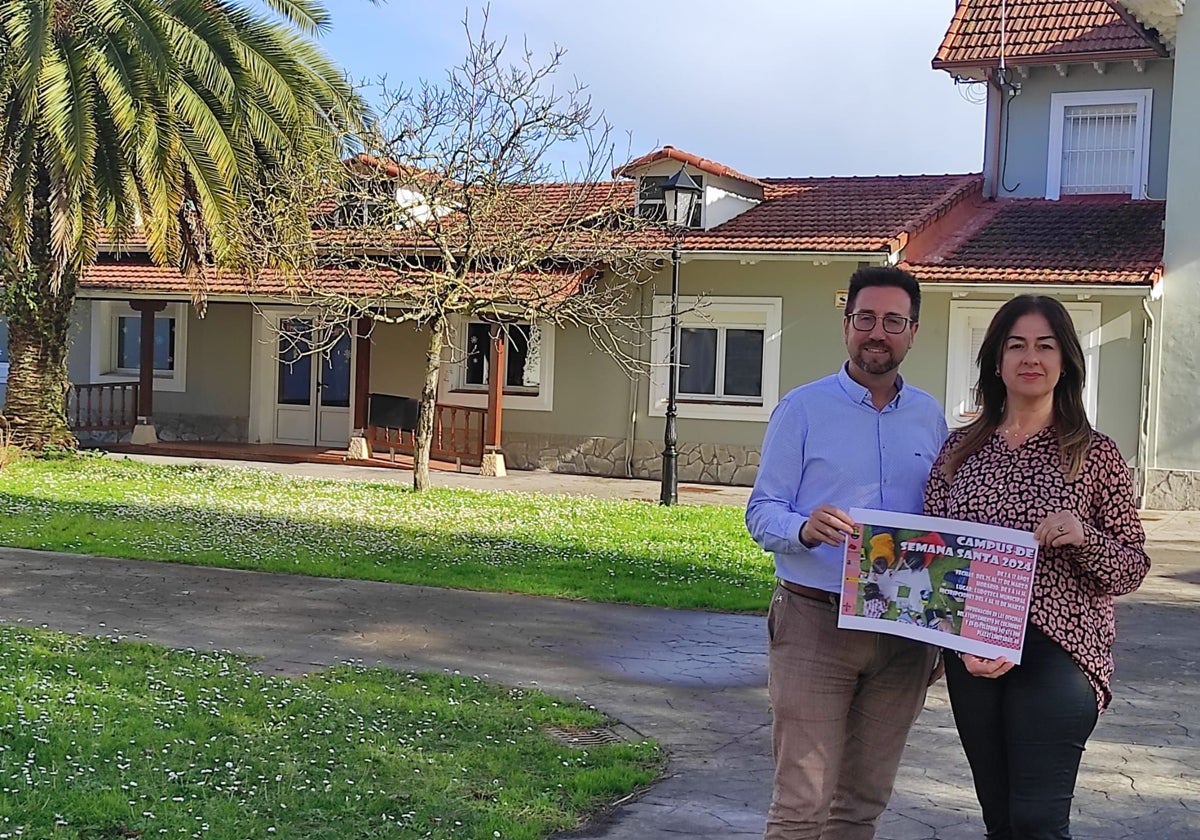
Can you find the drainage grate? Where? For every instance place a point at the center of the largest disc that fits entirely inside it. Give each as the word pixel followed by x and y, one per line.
pixel 580 737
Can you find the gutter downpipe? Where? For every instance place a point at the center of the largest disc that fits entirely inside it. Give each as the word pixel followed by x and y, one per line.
pixel 1150 391
pixel 993 185
pixel 634 387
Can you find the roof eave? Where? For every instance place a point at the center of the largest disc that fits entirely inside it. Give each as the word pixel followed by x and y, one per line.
pixel 758 255
pixel 1140 288
pixel 1051 60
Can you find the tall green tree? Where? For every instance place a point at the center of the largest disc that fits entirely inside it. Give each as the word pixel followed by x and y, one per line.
pixel 151 115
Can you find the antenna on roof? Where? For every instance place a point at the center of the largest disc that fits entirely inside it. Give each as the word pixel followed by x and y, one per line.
pixel 1003 17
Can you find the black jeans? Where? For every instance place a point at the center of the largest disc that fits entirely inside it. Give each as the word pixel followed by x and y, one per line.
pixel 1024 735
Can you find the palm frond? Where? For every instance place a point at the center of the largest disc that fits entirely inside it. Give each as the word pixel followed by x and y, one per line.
pixel 119 113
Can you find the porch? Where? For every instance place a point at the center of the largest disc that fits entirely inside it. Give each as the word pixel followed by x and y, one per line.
pixel 457 443
pixel 302 399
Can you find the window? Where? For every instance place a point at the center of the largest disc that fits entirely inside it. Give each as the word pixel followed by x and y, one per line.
pixel 363 212
pixel 117 344
pixel 522 371
pixel 728 357
pixel 129 344
pixel 3 350
pixel 720 363
pixel 528 363
pixel 969 322
pixel 1099 143
pixel 652 206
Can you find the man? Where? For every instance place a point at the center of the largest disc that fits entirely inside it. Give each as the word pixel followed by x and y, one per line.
pixel 842 700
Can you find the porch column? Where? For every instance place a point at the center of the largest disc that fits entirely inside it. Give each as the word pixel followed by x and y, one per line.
pixel 493 458
pixel 144 432
pixel 360 444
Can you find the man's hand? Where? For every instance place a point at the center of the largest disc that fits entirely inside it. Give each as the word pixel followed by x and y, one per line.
pixel 828 525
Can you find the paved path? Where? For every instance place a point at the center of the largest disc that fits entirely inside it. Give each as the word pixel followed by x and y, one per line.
pixel 693 680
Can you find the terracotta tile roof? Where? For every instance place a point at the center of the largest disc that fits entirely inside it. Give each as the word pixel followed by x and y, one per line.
pixel 846 214
pixel 135 241
pixel 1043 32
pixel 671 153
pixel 1094 240
pixel 560 218
pixel 137 276
pixel 838 214
pixel 389 167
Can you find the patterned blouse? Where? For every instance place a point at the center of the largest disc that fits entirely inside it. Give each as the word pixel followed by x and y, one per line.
pixel 1073 586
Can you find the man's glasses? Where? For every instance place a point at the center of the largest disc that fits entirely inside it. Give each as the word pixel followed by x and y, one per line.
pixel 865 322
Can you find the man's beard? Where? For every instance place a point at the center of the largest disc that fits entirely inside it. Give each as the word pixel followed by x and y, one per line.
pixel 876 365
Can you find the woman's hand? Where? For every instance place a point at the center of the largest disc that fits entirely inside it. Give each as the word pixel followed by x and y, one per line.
pixel 977 666
pixel 1058 529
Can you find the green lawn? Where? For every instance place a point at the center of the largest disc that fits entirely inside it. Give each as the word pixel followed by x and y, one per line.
pixel 600 550
pixel 103 739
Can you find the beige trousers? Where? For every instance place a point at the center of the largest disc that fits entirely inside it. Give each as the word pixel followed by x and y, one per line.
pixel 842 703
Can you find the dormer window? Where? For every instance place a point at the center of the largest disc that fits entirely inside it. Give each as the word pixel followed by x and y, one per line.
pixel 650 199
pixel 1099 143
pixel 360 212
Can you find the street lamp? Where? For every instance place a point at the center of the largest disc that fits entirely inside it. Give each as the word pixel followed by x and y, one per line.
pixel 680 194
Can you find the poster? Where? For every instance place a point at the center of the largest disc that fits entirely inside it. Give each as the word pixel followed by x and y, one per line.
pixel 953 584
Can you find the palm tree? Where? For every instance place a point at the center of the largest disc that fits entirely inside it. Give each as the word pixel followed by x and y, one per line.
pixel 158 114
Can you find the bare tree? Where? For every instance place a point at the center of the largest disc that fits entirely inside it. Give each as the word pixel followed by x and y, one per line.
pixel 456 204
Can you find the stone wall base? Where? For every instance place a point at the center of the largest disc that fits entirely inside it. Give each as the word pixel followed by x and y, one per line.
pixel 703 463
pixel 202 427
pixel 183 427
pixel 1172 490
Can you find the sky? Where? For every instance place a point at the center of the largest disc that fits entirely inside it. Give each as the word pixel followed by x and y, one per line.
pixel 770 88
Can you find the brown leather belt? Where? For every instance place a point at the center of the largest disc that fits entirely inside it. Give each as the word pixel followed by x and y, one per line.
pixel 810 592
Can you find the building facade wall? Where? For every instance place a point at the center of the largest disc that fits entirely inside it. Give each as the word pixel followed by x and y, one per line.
pixel 1020 160
pixel 602 421
pixel 1173 475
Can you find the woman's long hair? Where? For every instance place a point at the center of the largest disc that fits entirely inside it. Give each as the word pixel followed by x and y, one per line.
pixel 1070 418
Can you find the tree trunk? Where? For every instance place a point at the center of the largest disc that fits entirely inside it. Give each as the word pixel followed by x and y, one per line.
pixel 35 403
pixel 433 366
pixel 39 321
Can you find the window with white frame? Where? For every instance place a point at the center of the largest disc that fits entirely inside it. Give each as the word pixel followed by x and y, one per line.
pixel 528 365
pixel 3 350
pixel 968 324
pixel 117 344
pixel 652 205
pixel 1099 143
pixel 728 357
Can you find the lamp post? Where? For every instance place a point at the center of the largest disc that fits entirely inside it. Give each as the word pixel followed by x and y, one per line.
pixel 680 194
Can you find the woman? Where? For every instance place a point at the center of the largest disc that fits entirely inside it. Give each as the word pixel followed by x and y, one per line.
pixel 1031 461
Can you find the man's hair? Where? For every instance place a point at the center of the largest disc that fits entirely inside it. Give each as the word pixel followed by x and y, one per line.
pixel 885 275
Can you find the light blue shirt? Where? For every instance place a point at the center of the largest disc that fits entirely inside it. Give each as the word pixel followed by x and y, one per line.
pixel 827 442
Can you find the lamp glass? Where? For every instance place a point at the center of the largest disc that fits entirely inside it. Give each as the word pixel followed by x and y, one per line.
pixel 680 194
